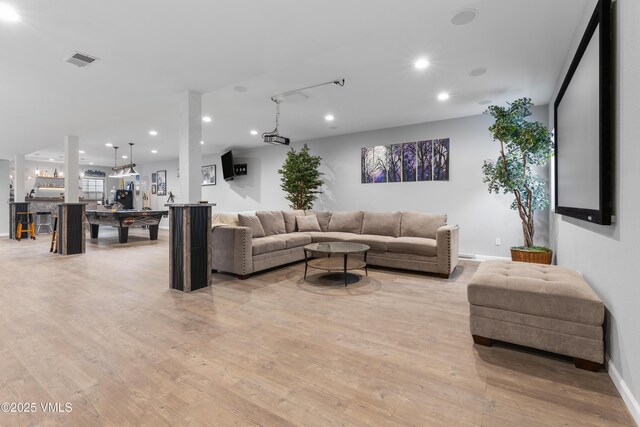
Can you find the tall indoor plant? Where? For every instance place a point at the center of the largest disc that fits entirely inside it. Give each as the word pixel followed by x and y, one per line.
pixel 523 145
pixel 301 178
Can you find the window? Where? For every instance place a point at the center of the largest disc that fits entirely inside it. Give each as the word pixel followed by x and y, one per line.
pixel 93 188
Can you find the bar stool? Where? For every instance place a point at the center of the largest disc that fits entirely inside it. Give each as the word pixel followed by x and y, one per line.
pixel 25 218
pixel 43 219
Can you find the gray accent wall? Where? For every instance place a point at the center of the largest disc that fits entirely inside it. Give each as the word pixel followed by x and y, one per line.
pixel 607 255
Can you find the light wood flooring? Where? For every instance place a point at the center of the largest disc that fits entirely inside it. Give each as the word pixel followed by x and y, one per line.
pixel 103 332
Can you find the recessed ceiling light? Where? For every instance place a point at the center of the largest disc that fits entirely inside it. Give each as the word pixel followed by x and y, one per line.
pixel 443 96
pixel 154 151
pixel 464 17
pixel 477 72
pixel 108 144
pixel 201 142
pixel 421 63
pixel 51 160
pixel 8 13
pixel 125 157
pixel 153 132
pixel 329 117
pixel 240 89
pixel 81 151
pixel 254 132
pixel 206 119
pixel 90 163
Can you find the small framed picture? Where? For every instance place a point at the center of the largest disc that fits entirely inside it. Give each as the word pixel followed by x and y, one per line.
pixel 153 189
pixel 161 179
pixel 153 177
pixel 209 175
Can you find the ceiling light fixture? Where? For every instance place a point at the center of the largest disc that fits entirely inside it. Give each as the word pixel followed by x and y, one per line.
pixel 421 63
pixel 116 171
pixel 206 119
pixel 201 142
pixel 464 17
pixel 154 151
pixel 254 132
pixel 108 144
pixel 81 151
pixel 443 96
pixel 131 171
pixel 329 117
pixel 153 132
pixel 90 163
pixel 51 160
pixel 8 13
pixel 125 157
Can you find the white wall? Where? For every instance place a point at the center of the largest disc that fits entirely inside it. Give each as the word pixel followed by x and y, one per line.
pixel 606 255
pixel 483 217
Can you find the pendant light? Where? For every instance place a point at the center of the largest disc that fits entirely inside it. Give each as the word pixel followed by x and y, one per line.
pixel 115 173
pixel 131 171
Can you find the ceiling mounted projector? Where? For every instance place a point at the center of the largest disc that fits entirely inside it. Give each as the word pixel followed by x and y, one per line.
pixel 274 137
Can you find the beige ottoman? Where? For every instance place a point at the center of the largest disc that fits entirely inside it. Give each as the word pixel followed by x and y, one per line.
pixel 541 306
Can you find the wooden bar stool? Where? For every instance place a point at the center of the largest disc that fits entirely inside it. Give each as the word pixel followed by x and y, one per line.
pixel 24 224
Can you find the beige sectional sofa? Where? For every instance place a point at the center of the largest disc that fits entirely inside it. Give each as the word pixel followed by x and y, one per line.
pixel 248 243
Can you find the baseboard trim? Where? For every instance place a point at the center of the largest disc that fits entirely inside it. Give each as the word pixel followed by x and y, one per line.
pixel 4 234
pixel 484 257
pixel 623 389
pixel 163 227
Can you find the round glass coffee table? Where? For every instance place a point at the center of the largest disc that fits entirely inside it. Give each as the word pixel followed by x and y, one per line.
pixel 335 263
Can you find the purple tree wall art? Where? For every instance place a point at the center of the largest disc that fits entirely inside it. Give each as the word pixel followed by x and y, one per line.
pixel 380 163
pixel 441 159
pixel 409 161
pixel 394 162
pixel 366 165
pixel 424 156
pixel 426 160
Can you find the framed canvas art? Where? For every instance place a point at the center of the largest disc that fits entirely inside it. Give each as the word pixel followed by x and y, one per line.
pixel 209 175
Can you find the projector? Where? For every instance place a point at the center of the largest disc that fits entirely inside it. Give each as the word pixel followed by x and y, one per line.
pixel 275 139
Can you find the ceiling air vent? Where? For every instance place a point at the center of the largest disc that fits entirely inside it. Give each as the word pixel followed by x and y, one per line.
pixel 80 59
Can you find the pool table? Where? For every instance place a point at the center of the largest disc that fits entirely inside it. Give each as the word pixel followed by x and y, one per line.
pixel 124 219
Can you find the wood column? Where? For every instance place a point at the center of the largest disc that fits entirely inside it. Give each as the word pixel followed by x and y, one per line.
pixel 71 234
pixel 189 246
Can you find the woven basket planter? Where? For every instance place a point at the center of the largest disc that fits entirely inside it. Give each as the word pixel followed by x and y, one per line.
pixel 535 257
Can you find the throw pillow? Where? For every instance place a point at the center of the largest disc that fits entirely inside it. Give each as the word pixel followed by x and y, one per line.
pixel 323 218
pixel 348 222
pixel 308 223
pixel 290 219
pixel 253 223
pixel 272 222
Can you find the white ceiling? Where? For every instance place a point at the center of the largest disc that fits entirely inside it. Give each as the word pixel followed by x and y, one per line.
pixel 151 51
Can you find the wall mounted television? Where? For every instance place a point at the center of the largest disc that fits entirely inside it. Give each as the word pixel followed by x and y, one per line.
pixel 584 125
pixel 227 166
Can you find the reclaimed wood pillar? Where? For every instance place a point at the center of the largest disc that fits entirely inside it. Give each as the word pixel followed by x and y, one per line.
pixel 189 246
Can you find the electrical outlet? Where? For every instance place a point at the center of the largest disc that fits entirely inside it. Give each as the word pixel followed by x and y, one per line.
pixel 498 242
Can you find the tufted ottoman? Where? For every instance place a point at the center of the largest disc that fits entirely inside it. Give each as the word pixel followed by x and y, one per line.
pixel 541 306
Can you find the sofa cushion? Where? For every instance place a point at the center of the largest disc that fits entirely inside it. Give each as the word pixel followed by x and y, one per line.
pixel 272 222
pixel 253 223
pixel 323 218
pixel 294 240
pixel 381 223
pixel 348 222
pixel 377 243
pixel 419 224
pixel 329 236
pixel 308 223
pixel 263 245
pixel 413 245
pixel 290 219
pixel 536 289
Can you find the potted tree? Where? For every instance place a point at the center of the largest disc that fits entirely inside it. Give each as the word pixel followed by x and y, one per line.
pixel 301 178
pixel 523 145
